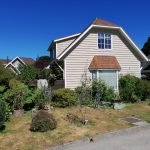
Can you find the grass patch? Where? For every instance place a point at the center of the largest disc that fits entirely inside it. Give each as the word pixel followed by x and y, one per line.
pixel 18 136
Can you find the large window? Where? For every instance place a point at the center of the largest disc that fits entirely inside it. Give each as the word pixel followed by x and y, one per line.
pixel 108 76
pixel 104 40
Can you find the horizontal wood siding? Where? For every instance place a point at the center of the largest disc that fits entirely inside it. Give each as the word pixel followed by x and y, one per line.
pixel 81 56
pixel 61 46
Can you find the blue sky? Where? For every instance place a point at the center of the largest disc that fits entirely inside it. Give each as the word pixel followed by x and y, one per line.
pixel 28 26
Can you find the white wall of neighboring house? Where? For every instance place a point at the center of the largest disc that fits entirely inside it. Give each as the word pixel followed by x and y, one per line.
pixel 16 63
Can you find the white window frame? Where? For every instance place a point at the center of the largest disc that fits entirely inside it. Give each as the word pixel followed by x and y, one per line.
pixel 104 41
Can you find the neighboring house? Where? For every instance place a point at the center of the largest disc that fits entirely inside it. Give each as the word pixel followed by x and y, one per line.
pixel 103 50
pixel 16 62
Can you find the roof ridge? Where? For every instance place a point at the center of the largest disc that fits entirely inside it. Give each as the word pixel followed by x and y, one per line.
pixel 102 22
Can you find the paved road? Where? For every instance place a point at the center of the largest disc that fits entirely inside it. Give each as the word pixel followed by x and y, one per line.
pixel 137 138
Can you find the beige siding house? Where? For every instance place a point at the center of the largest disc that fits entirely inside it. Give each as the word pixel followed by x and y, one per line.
pixel 104 46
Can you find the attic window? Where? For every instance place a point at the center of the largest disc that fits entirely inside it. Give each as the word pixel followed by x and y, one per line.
pixel 104 40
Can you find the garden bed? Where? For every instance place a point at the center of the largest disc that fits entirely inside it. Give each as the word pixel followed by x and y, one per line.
pixel 18 136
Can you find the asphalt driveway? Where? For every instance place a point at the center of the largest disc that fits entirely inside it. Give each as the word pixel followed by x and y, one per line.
pixel 136 138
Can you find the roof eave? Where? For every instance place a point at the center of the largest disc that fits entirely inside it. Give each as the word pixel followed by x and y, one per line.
pixel 144 58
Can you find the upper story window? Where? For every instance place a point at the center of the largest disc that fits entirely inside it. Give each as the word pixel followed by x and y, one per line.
pixel 104 40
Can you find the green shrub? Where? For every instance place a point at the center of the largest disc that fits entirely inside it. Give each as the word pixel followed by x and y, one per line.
pixel 127 88
pixel 5 75
pixel 28 73
pixel 83 93
pixel 142 89
pixel 16 94
pixel 4 112
pixel 40 99
pixel 100 89
pixel 43 121
pixel 64 97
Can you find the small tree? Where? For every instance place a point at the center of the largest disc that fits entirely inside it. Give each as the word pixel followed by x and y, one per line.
pixel 42 62
pixel 28 73
pixel 84 94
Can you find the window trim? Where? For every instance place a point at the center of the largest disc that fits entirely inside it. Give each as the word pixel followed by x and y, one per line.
pixel 107 49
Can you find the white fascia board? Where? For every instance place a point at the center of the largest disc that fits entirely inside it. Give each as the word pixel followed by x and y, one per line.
pixel 14 68
pixel 81 35
pixel 67 37
pixel 108 27
pixel 133 44
pixel 74 42
pixel 11 62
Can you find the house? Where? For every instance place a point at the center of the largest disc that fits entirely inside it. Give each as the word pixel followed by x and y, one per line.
pixel 103 50
pixel 16 62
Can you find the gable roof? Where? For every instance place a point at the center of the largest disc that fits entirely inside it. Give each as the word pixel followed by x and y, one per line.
pixel 24 60
pixel 74 36
pixel 99 23
pixel 28 61
pixel 67 37
pixel 104 62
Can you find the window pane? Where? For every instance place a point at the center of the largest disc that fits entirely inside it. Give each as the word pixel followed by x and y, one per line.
pixel 101 35
pixel 94 75
pixel 101 46
pixel 104 41
pixel 109 77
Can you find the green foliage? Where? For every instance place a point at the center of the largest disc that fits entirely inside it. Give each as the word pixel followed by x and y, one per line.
pixel 28 73
pixel 56 71
pixel 2 90
pixel 4 112
pixel 43 121
pixel 41 99
pixel 16 94
pixel 127 85
pixel 94 93
pixel 45 59
pixel 83 93
pixel 133 89
pixel 5 75
pixel 146 47
pixel 100 89
pixel 142 89
pixel 64 97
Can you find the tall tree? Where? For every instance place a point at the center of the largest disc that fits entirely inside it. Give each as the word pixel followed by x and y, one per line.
pixel 42 62
pixel 146 47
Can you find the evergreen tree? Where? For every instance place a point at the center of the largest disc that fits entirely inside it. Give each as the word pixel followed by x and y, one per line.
pixel 146 47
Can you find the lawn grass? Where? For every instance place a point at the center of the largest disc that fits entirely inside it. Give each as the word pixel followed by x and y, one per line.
pixel 17 135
